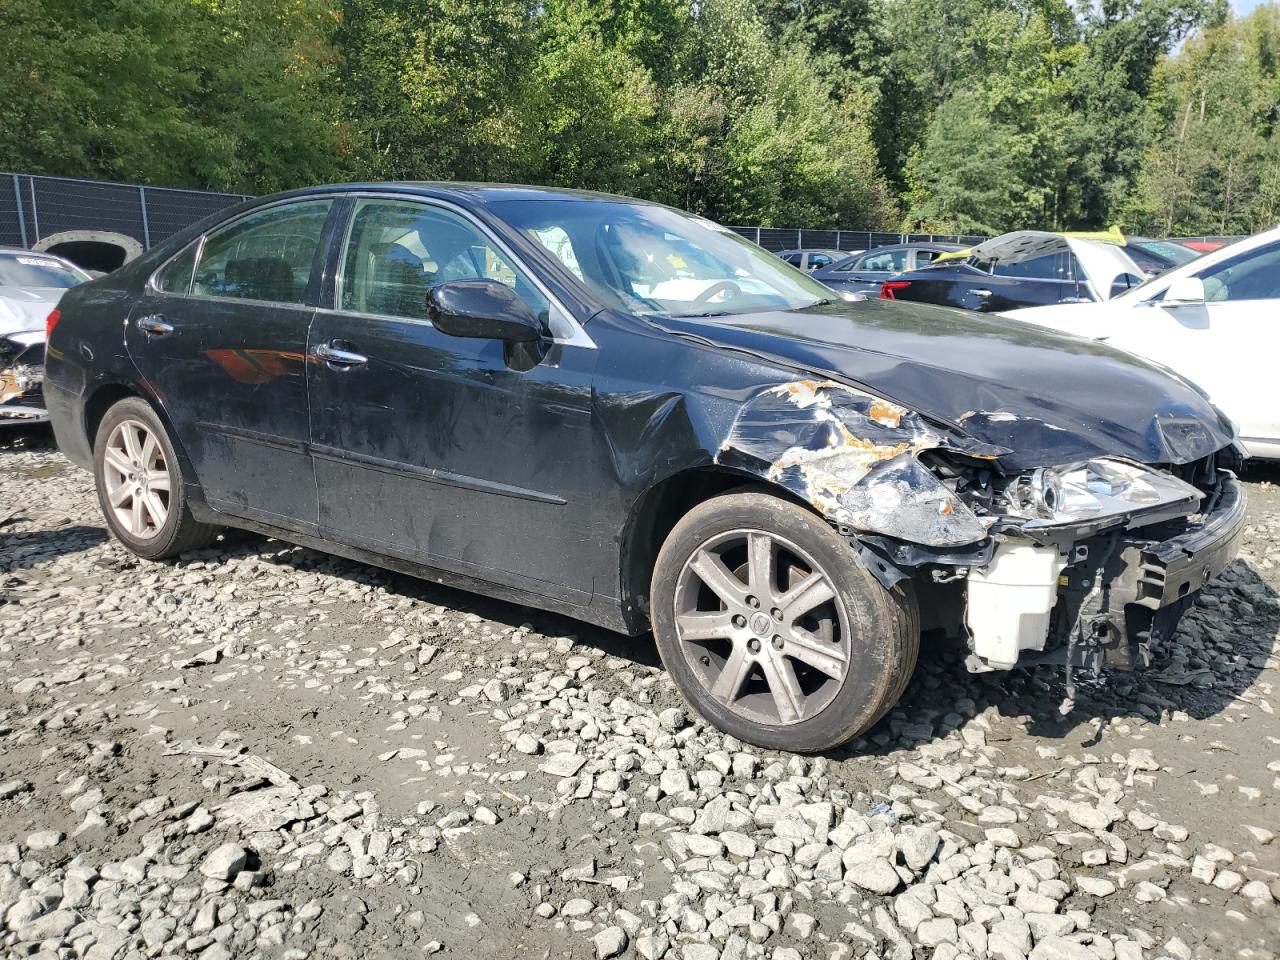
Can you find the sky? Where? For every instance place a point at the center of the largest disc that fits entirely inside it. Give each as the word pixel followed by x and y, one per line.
pixel 1244 6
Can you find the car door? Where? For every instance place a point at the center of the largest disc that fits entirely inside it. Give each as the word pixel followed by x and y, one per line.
pixel 220 336
pixel 441 449
pixel 1226 343
pixel 1035 282
pixel 963 284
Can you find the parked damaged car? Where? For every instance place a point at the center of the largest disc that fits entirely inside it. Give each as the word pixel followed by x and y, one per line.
pixel 630 415
pixel 1026 268
pixel 30 286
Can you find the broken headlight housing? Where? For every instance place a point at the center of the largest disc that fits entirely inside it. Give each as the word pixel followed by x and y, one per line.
pixel 1094 490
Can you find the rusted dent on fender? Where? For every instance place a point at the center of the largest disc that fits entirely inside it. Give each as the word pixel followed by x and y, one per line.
pixel 855 457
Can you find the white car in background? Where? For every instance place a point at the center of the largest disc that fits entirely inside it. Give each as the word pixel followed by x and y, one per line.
pixel 1215 321
pixel 31 284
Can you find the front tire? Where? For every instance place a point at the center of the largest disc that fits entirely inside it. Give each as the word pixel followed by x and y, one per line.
pixel 774 630
pixel 140 485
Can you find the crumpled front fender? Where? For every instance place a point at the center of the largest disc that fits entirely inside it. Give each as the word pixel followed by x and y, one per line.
pixel 855 458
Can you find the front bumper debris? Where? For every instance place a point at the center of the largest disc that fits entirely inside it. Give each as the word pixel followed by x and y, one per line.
pixel 1091 599
pixel 22 380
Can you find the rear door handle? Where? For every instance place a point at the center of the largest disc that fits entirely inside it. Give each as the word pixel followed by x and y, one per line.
pixel 982 293
pixel 154 325
pixel 335 356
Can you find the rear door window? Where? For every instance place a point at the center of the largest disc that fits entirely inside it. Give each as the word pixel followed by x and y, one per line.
pixel 265 256
pixel 1052 266
pixel 888 261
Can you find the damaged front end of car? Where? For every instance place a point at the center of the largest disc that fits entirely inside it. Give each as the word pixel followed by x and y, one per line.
pixel 22 378
pixel 1089 565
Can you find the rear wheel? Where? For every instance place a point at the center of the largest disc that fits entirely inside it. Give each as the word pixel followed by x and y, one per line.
pixel 774 630
pixel 140 485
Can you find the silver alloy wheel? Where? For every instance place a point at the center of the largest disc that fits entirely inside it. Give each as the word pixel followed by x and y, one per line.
pixel 137 479
pixel 762 627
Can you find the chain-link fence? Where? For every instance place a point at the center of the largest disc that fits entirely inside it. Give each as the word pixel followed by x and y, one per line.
pixel 34 208
pixel 797 238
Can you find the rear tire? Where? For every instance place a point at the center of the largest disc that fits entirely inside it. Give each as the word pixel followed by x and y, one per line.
pixel 774 630
pixel 140 486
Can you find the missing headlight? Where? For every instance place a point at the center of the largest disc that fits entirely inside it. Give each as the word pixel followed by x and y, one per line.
pixel 1035 494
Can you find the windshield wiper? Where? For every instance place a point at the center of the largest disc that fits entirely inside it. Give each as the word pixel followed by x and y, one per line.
pixel 707 313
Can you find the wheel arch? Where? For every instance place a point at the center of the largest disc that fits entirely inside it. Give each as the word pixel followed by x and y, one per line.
pixel 107 395
pixel 659 508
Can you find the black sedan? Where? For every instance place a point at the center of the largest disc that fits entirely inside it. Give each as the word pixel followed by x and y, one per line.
pixel 630 415
pixel 864 272
pixel 1026 268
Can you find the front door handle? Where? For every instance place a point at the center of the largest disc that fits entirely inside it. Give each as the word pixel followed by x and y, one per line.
pixel 154 325
pixel 982 293
pixel 335 356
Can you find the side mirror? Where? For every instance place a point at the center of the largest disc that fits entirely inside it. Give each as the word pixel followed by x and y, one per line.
pixel 482 309
pixel 1185 290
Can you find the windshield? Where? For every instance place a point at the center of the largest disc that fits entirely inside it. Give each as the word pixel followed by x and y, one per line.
pixel 1175 253
pixel 654 261
pixel 35 272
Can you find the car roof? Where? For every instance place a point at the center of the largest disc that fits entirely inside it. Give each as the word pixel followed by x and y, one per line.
pixel 916 245
pixel 783 253
pixel 462 190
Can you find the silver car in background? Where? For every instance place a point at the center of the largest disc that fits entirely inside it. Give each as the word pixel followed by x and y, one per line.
pixel 31 284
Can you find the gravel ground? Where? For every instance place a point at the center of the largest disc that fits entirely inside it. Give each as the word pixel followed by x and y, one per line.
pixel 262 751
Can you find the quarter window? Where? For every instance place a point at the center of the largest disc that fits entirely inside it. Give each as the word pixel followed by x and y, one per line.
pixel 264 256
pixel 176 275
pixel 398 251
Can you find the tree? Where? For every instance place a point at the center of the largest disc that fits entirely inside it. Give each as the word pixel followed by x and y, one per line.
pixel 963 178
pixel 1113 127
pixel 439 89
pixel 1215 164
pixel 225 95
pixel 757 133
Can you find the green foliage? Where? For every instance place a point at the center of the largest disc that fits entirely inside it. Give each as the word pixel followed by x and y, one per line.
pixel 948 115
pixel 227 94
pixel 1215 166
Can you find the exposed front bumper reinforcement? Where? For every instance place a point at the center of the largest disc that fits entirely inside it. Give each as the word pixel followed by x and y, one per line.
pixel 1110 599
pixel 22 378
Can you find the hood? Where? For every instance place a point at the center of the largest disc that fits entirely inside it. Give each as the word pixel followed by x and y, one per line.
pixel 1048 398
pixel 26 308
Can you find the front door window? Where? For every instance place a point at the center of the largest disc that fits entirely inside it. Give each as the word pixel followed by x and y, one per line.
pixel 397 251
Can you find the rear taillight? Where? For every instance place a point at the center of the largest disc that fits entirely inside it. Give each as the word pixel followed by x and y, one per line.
pixel 50 322
pixel 888 289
